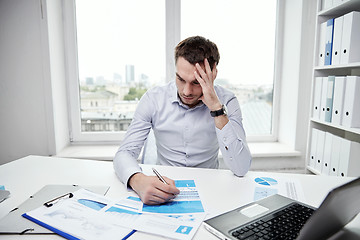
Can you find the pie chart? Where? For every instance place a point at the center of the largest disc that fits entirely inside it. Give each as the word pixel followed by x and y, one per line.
pixel 266 181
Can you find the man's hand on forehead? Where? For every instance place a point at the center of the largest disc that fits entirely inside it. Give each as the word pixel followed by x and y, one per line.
pixel 206 78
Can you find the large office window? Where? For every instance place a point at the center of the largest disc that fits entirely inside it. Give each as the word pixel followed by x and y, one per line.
pixel 120 52
pixel 244 32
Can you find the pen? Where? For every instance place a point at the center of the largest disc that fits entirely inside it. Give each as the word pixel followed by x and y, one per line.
pixel 159 176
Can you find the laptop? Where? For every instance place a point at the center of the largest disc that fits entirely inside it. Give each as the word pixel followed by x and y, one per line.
pixel 278 217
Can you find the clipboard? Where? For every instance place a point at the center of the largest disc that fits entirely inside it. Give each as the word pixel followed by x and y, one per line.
pixel 86 220
pixel 15 223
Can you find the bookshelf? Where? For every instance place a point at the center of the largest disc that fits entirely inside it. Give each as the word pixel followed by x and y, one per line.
pixel 339 8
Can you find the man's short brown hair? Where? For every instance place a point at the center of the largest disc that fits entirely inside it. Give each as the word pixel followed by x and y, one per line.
pixel 196 49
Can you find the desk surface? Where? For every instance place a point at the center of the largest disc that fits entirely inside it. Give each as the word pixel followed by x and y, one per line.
pixel 220 190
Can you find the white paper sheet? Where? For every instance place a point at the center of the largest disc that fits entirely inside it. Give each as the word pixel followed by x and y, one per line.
pixel 81 216
pixel 91 216
pixel 178 219
pixel 265 186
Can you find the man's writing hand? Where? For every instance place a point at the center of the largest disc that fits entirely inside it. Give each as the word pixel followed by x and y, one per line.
pixel 151 190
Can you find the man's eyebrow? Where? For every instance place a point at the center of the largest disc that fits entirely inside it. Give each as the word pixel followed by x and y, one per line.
pixel 195 80
pixel 179 77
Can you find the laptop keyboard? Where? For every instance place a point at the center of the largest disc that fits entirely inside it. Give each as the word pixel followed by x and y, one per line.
pixel 285 224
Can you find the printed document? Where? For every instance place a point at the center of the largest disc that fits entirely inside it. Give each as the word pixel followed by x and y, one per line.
pixel 265 186
pixel 178 219
pixel 91 216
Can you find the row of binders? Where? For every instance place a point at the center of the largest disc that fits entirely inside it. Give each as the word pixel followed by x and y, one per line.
pixel 326 4
pixel 339 40
pixel 337 100
pixel 333 155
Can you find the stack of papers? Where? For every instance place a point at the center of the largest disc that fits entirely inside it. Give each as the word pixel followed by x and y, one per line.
pixel 87 215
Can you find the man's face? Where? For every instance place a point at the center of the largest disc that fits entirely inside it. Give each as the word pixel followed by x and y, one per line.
pixel 188 87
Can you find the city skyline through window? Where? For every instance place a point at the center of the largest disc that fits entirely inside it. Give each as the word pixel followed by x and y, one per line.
pixel 121 54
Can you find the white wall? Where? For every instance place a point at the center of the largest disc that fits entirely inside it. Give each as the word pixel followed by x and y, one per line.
pixel 27 105
pixel 305 73
pixel 57 71
pixel 295 74
pixel 24 124
pixel 290 70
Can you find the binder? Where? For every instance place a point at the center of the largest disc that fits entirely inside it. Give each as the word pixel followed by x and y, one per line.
pixel 338 2
pixel 323 98
pixel 312 156
pixel 336 51
pixel 329 41
pixel 327 154
pixel 350 48
pixel 329 98
pixel 321 44
pixel 13 222
pixel 351 113
pixel 320 142
pixel 338 100
pixel 317 97
pixel 335 155
pixel 326 4
pixel 349 164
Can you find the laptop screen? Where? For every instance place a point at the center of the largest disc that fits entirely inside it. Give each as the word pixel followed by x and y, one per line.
pixel 339 207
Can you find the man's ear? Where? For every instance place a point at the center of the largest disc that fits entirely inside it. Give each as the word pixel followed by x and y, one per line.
pixel 215 71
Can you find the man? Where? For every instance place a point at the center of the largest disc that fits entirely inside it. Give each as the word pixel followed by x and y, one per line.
pixel 191 118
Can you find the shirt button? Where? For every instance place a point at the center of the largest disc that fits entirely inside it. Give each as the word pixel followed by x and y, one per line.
pixel 224 139
pixel 187 156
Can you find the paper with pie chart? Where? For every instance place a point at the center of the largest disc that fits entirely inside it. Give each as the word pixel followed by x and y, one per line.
pixel 266 186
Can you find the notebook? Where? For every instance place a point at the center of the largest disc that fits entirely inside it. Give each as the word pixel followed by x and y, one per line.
pixel 278 217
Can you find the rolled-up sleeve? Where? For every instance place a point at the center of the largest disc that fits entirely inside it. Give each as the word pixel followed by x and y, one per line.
pixel 232 141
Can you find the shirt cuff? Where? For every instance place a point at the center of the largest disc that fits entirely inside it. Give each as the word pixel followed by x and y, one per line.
pixel 125 166
pixel 227 134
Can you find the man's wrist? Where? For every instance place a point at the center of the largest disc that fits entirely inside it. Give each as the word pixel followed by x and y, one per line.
pixel 216 107
pixel 133 178
pixel 221 112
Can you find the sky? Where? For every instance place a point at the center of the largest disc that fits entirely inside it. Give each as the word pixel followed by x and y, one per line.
pixel 114 33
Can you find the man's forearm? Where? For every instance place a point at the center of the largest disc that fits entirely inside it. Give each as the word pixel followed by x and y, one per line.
pixel 221 121
pixel 234 149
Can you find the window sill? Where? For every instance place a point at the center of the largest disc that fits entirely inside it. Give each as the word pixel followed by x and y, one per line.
pixel 272 149
pixel 107 152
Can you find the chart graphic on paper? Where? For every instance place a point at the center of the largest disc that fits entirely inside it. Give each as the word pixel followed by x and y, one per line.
pixel 266 181
pixel 261 192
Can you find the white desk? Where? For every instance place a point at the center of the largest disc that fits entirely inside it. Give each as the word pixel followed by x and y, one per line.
pixel 220 190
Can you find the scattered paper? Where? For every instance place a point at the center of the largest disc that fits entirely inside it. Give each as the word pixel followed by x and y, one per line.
pixel 288 187
pixel 91 216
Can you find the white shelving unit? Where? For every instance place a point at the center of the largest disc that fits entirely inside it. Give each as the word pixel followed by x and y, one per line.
pixel 352 134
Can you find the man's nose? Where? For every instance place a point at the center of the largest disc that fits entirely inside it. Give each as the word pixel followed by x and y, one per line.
pixel 187 89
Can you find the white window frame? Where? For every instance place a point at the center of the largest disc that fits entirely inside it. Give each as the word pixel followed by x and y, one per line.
pixel 173 22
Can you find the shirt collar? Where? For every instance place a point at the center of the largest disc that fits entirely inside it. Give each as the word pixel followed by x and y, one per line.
pixel 174 97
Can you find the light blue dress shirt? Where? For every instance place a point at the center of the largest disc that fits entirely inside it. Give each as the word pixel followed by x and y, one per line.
pixel 184 136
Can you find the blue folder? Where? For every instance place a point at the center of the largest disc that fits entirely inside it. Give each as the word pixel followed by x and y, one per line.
pixel 329 98
pixel 61 233
pixel 329 41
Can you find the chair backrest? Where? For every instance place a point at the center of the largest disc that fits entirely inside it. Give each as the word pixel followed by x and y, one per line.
pixel 149 155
